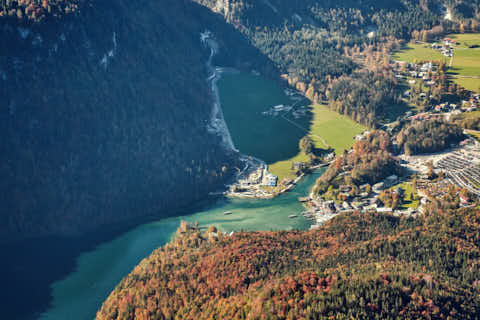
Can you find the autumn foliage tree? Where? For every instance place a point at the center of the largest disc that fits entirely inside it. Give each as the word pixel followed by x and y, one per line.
pixel 370 161
pixel 357 266
pixel 37 10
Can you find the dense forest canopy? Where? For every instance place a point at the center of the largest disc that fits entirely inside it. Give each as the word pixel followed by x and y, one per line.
pixel 337 15
pixel 280 28
pixel 428 136
pixel 101 123
pixel 313 42
pixel 357 266
pixel 366 97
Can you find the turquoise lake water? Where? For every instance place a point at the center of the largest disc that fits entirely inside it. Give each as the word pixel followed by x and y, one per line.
pixel 80 295
pixel 78 274
pixel 244 98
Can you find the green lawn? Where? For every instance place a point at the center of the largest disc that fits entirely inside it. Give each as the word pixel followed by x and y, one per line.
pixel 466 61
pixel 472 84
pixel 336 130
pixel 470 115
pixel 418 52
pixel 474 134
pixel 466 39
pixel 283 169
pixel 408 189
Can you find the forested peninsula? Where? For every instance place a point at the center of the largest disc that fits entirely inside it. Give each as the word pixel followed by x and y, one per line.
pixel 361 266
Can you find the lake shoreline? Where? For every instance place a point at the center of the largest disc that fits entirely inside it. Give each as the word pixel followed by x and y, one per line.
pixel 219 127
pixel 271 195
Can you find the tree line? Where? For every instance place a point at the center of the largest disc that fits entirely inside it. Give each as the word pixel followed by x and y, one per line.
pixel 428 136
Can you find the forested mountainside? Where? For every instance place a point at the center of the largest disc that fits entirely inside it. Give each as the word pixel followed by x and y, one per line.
pixel 361 264
pixel 104 114
pixel 315 42
pixel 357 266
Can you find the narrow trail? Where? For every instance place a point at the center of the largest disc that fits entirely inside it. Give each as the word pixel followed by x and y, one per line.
pixel 305 129
pixel 467 77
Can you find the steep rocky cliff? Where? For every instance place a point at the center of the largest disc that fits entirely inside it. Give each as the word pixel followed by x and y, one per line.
pixel 104 115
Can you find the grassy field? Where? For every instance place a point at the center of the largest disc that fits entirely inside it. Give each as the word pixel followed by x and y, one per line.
pixel 418 52
pixel 465 68
pixel 337 130
pixel 408 189
pixel 474 134
pixel 470 115
pixel 283 169
pixel 472 84
pixel 467 39
pixel 327 126
pixel 466 61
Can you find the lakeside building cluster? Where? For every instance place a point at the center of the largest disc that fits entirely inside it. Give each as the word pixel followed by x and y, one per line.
pixel 458 166
pixel 252 180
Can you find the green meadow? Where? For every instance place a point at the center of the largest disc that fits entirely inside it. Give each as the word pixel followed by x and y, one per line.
pixel 327 129
pixel 466 61
pixel 411 198
pixel 336 129
pixel 412 52
pixel 472 84
pixel 466 39
pixel 465 69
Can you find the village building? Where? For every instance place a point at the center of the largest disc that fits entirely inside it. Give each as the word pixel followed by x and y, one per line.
pixel 378 187
pixel 270 180
pixel 391 180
